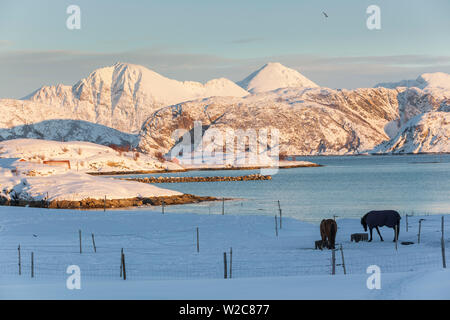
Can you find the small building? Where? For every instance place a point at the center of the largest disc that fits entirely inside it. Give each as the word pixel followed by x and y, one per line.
pixel 58 163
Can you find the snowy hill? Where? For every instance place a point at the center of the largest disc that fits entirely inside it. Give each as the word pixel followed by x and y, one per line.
pixel 27 119
pixel 83 157
pixel 428 132
pixel 274 76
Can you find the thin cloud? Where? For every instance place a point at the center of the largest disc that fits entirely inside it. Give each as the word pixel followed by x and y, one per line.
pixel 5 43
pixel 245 40
pixel 25 71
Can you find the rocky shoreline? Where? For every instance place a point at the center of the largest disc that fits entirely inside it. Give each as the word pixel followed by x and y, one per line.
pixel 108 203
pixel 250 177
pixel 282 165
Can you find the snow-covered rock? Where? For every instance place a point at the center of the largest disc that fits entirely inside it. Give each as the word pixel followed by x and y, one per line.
pixel 273 76
pixel 428 132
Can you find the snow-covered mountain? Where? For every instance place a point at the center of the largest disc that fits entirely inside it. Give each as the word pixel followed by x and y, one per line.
pixel 437 84
pixel 310 120
pixel 115 103
pixel 27 119
pixel 427 132
pixel 124 95
pixel 273 76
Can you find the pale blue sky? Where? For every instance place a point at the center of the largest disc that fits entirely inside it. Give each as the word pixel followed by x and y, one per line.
pixel 200 40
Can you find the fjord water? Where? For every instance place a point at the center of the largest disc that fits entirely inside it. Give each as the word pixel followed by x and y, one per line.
pixel 346 186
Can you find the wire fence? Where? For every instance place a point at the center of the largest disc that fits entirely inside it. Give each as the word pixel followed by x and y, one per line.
pixel 156 266
pixel 172 253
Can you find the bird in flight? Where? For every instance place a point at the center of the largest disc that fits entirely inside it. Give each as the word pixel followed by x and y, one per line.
pixel 324 13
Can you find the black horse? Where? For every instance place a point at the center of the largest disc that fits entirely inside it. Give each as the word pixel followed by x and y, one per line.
pixel 375 219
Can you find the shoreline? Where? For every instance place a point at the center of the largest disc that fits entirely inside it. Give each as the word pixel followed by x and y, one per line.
pixel 370 154
pixel 286 165
pixel 89 203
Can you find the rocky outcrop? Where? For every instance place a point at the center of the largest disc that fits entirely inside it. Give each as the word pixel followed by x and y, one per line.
pixel 425 133
pixel 200 179
pixel 310 121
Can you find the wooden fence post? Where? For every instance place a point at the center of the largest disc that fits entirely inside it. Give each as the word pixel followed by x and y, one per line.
pixel 223 206
pixel 198 242
pixel 396 237
pixel 32 264
pixel 420 228
pixel 93 243
pixel 20 262
pixel 162 206
pixel 224 265
pixel 406 222
pixel 279 209
pixel 276 226
pixel 48 201
pixel 343 261
pixel 79 235
pixel 333 262
pixel 123 266
pixel 121 262
pixel 444 262
pixel 104 204
pixel 231 263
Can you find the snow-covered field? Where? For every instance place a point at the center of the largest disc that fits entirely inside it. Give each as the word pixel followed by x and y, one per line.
pixel 162 261
pixel 83 156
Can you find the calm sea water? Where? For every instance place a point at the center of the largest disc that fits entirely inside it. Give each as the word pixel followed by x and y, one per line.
pixel 346 186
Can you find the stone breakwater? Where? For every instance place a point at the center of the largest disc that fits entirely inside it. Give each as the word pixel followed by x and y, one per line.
pixel 200 179
pixel 109 203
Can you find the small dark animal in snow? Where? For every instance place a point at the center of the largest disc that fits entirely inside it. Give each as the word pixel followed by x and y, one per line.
pixel 357 237
pixel 319 244
pixel 324 13
pixel 375 219
pixel 34 235
pixel 328 230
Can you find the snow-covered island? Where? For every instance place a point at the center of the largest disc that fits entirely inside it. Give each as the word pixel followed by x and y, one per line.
pixel 54 174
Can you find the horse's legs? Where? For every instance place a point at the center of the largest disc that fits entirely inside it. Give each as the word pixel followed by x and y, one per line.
pixel 398 232
pixel 378 230
pixel 370 235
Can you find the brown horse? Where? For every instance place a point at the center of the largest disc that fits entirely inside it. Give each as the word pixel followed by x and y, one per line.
pixel 328 230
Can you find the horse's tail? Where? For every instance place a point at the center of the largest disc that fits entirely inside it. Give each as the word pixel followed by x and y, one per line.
pixel 333 231
pixel 322 229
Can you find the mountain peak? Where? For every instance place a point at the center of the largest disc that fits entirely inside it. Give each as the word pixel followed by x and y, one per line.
pixel 437 83
pixel 274 75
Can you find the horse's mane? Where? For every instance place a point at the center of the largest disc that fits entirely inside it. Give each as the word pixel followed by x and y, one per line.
pixel 363 219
